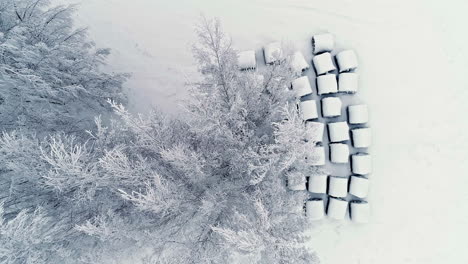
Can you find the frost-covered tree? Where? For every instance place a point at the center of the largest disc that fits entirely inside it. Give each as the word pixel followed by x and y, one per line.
pixel 208 187
pixel 50 73
pixel 31 237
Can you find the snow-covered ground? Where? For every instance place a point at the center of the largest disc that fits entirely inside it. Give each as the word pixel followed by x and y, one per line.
pixel 413 58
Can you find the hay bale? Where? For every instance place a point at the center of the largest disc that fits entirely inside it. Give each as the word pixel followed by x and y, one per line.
pixel 316 156
pixel 322 43
pixel 301 86
pixel 338 186
pixel 361 163
pixel 326 84
pixel 362 137
pixel 338 131
pixel 296 181
pixel 359 211
pixel 273 53
pixel 336 208
pixel 348 82
pixel 359 186
pixel 298 62
pixel 246 60
pixel 339 153
pixel 315 209
pixel 323 63
pixel 358 114
pixel 314 131
pixel 308 110
pixel 347 60
pixel 331 107
pixel 317 184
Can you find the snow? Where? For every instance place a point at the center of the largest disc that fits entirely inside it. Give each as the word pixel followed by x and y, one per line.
pixel 298 62
pixel 301 86
pixel 337 208
pixel 339 153
pixel 315 209
pixel 361 163
pixel 331 107
pixel 338 186
pixel 323 63
pixel 308 109
pixel 338 131
pixel 348 82
pixel 362 137
pixel 323 43
pixel 317 184
pixel 246 60
pixel 346 60
pixel 327 84
pixel 273 52
pixel 358 114
pixel 359 211
pixel 396 41
pixel 315 131
pixel 358 186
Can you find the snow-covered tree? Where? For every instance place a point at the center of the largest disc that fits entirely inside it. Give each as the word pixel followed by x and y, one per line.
pixel 50 73
pixel 208 187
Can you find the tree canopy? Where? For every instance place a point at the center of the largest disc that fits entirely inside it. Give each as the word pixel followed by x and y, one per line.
pixel 206 187
pixel 50 72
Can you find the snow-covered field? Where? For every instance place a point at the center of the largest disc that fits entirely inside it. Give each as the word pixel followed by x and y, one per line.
pixel 413 58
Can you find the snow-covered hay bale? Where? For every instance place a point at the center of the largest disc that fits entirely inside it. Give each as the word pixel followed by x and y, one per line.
pixel 323 63
pixel 259 79
pixel 246 60
pixel 331 107
pixel 315 209
pixel 348 82
pixel 314 131
pixel 338 131
pixel 316 156
pixel 298 62
pixel 336 208
pixel 308 109
pixel 362 137
pixel 273 53
pixel 359 186
pixel 339 153
pixel 361 163
pixel 326 84
pixel 296 181
pixel 322 43
pixel 347 60
pixel 317 184
pixel 358 114
pixel 301 86
pixel 338 186
pixel 359 211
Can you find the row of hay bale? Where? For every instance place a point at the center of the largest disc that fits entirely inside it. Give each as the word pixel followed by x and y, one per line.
pixel 327 84
pixel 336 209
pixel 323 60
pixel 334 186
pixel 273 54
pixel 339 131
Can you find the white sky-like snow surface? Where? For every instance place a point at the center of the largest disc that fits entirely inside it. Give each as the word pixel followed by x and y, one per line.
pixel 413 60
